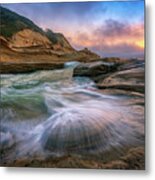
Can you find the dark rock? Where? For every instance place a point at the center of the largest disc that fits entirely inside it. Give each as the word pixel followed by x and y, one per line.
pixel 94 69
pixel 28 67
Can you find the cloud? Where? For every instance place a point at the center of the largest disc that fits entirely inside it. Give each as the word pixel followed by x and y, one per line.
pixel 113 37
pixel 112 28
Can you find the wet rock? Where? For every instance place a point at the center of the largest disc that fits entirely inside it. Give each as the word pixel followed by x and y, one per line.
pixel 132 63
pixel 94 69
pixel 129 80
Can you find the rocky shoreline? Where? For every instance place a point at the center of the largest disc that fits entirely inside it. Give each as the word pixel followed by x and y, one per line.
pixel 14 68
pixel 128 76
pixel 124 78
pixel 111 74
pixel 134 159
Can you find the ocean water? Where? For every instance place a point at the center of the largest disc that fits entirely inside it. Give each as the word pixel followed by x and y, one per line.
pixel 50 113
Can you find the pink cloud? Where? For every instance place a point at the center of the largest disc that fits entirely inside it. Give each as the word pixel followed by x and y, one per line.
pixel 112 37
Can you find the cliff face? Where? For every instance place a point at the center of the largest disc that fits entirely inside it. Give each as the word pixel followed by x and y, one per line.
pixel 23 41
pixel 59 41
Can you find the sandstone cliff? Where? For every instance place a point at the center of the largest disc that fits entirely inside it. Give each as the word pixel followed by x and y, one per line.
pixel 22 41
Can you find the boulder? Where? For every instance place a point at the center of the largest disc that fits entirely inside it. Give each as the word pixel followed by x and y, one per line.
pixel 130 80
pixel 94 69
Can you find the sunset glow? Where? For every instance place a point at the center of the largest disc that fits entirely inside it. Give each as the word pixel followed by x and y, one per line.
pixel 140 44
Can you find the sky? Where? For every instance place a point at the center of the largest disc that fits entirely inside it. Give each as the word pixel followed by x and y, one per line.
pixel 111 29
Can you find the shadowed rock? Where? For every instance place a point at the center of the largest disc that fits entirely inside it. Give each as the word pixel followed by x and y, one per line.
pixel 94 69
pixel 28 67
